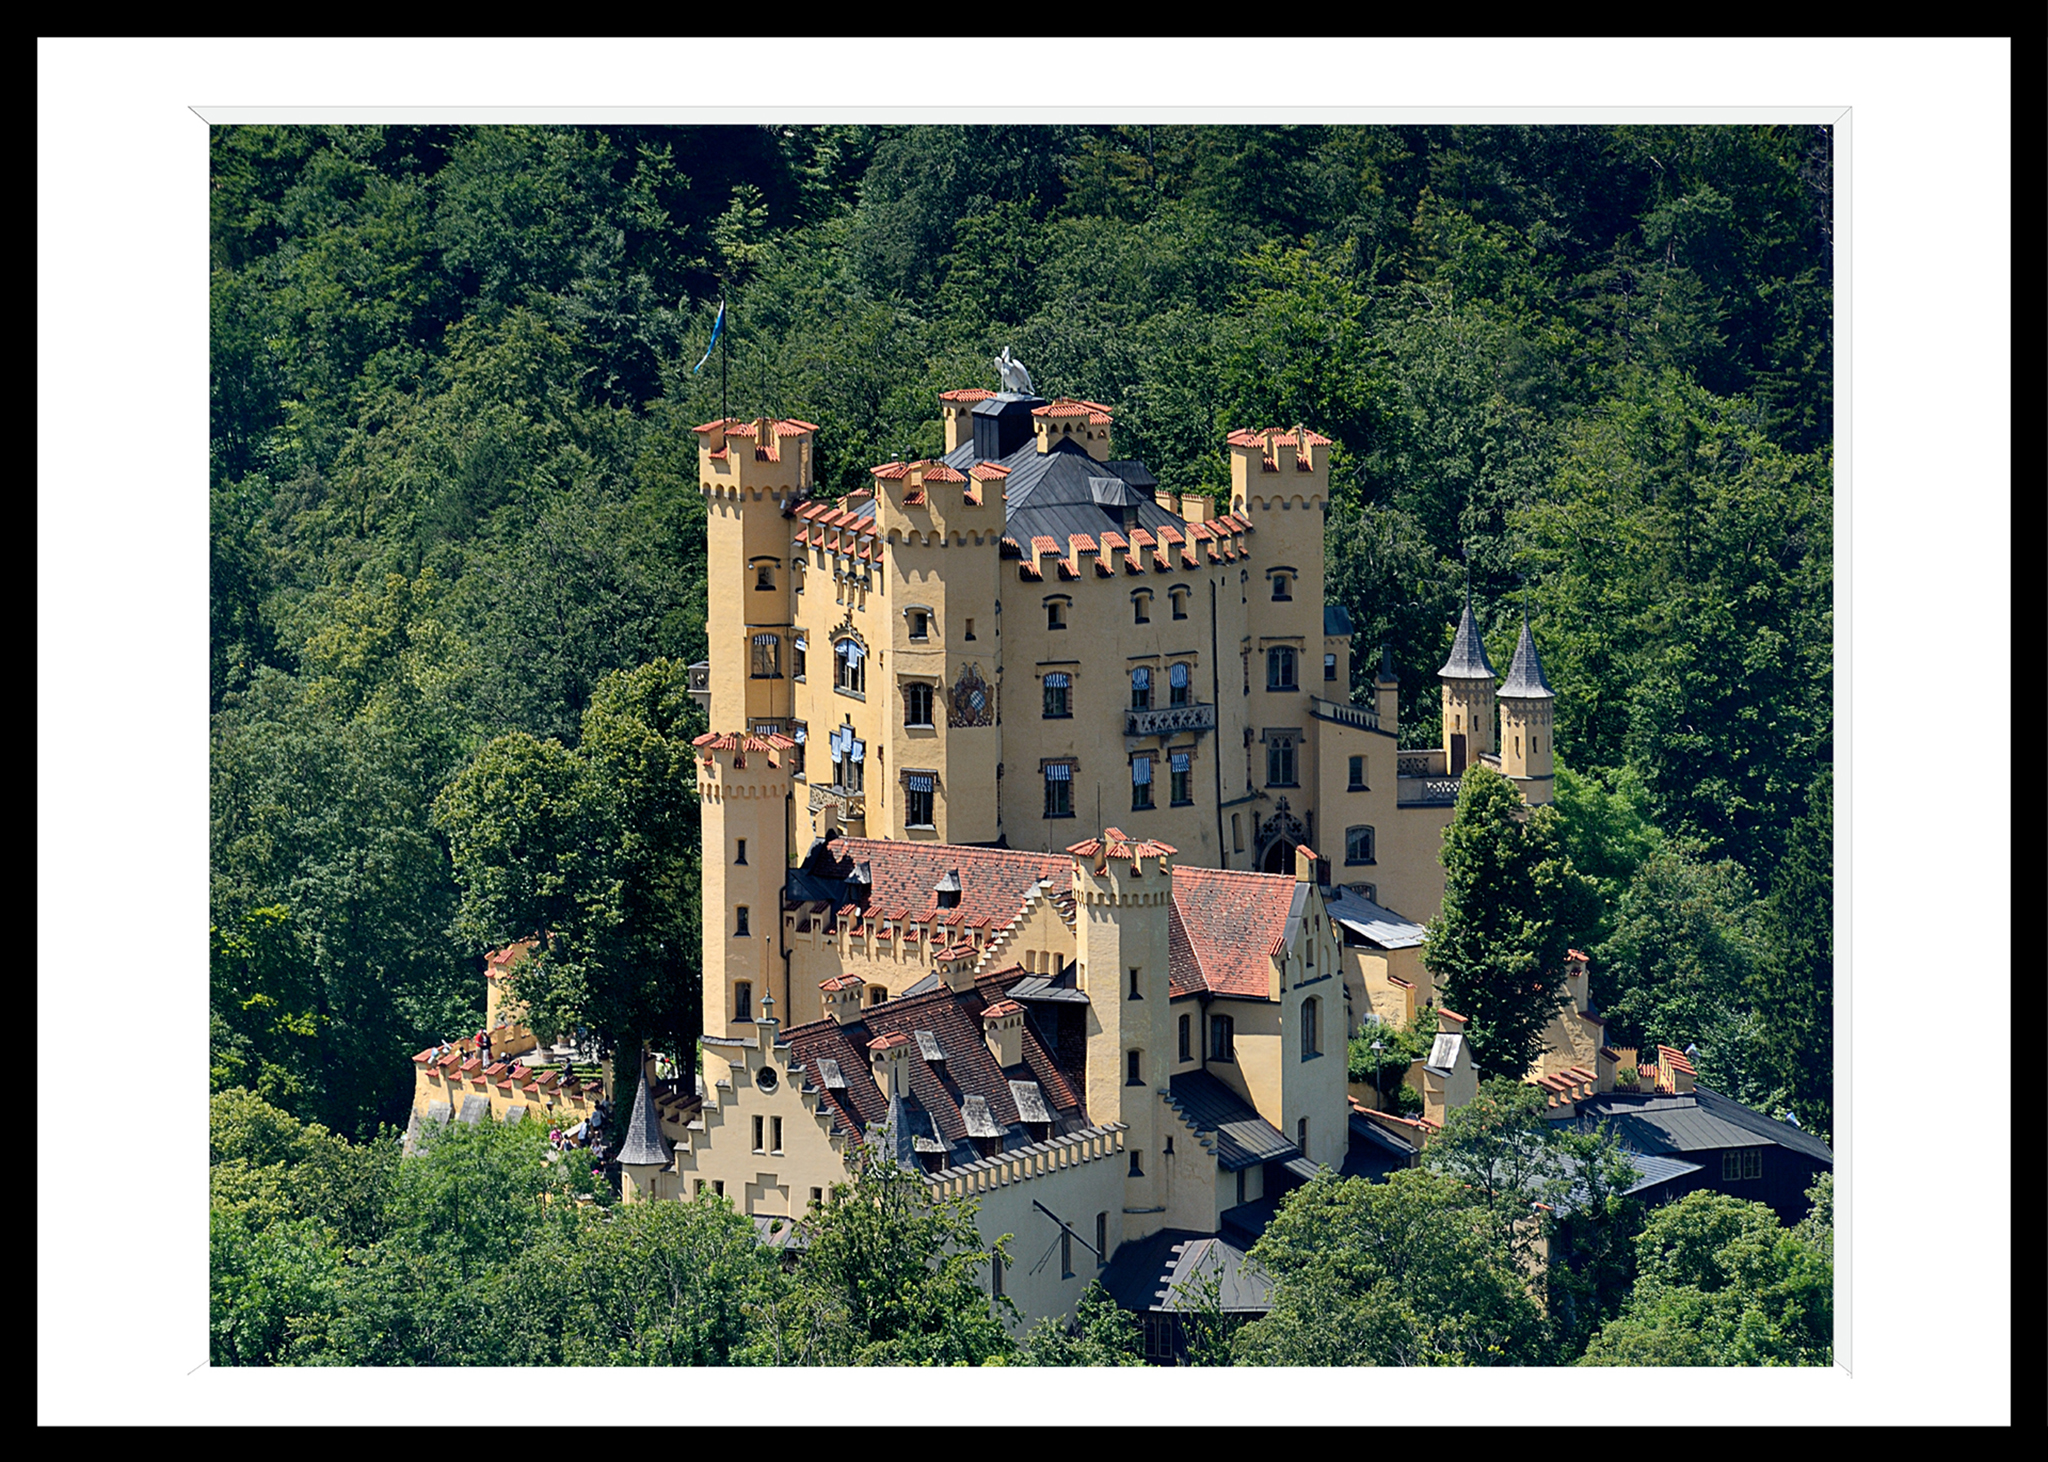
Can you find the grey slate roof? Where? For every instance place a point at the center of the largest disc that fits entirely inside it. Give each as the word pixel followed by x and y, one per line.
pixel 1030 1102
pixel 1038 987
pixel 928 1046
pixel 1652 1171
pixel 1525 676
pixel 830 1074
pixel 1374 1152
pixel 1243 1137
pixel 924 986
pixel 1056 493
pixel 1703 1121
pixel 644 1142
pixel 1468 652
pixel 974 1112
pixel 475 1107
pixel 1162 1272
pixel 1336 620
pixel 1374 923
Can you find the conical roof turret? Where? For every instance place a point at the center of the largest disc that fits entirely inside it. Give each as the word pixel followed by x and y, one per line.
pixel 1468 652
pixel 644 1142
pixel 1525 676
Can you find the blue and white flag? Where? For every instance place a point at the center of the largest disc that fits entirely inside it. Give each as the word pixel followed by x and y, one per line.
pixel 716 326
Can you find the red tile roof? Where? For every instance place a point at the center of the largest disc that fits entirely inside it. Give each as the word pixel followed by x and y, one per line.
pixel 1676 1060
pixel 989 470
pixel 970 1068
pixel 1220 928
pixel 1001 1008
pixel 1044 543
pixel 993 881
pixel 1080 543
pixel 1113 539
pixel 1578 954
pixel 1095 411
pixel 1116 843
pixel 969 393
pixel 1453 1014
pixel 733 741
pixel 1256 438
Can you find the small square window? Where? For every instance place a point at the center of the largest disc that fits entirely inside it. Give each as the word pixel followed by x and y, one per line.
pixel 920 625
pixel 1055 616
pixel 1283 587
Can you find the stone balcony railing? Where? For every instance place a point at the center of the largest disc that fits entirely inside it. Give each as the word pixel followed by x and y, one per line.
pixel 1426 791
pixel 1421 761
pixel 851 806
pixel 1165 720
pixel 1364 717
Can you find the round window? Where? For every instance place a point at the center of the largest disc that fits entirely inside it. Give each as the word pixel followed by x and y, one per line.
pixel 765 1078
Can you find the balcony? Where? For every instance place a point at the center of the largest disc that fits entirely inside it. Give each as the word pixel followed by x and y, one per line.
pixel 1421 761
pixel 1363 717
pixel 1425 791
pixel 700 683
pixel 851 806
pixel 1165 720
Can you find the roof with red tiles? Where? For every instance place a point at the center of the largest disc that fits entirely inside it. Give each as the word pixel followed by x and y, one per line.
pixel 1221 927
pixel 1575 954
pixel 733 741
pixel 966 393
pixel 1095 411
pixel 1441 1010
pixel 1252 437
pixel 989 470
pixel 1116 843
pixel 955 1019
pixel 993 881
pixel 1676 1060
pixel 736 428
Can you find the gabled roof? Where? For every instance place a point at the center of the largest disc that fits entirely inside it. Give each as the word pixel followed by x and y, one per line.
pixel 1054 494
pixel 1336 620
pixel 938 1089
pixel 1223 927
pixel 1468 652
pixel 1525 676
pixel 1699 1121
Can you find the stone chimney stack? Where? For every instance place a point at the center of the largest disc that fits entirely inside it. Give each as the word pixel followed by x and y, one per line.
pixel 842 998
pixel 889 1058
pixel 1003 1028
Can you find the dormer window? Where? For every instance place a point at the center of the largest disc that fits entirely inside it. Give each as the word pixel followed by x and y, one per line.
pixel 948 890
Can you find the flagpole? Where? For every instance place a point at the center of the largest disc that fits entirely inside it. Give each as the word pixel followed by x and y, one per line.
pixel 724 347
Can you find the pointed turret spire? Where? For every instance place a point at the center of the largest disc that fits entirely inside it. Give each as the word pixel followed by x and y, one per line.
pixel 1468 651
pixel 1525 676
pixel 644 1142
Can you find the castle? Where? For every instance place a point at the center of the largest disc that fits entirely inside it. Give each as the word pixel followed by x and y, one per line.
pixel 1010 806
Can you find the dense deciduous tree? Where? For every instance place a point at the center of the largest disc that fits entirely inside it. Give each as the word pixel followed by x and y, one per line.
pixel 1513 906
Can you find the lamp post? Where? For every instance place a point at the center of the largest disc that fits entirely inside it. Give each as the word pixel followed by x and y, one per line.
pixel 1377 1047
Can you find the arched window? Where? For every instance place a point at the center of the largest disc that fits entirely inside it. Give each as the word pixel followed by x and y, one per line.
pixel 1177 680
pixel 1358 846
pixel 1141 688
pixel 877 994
pixel 1058 704
pixel 849 667
pixel 1311 1035
pixel 742 1001
pixel 767 657
pixel 1283 585
pixel 1280 668
pixel 1141 607
pixel 1180 603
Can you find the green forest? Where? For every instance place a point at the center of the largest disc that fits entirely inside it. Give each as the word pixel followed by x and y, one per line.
pixel 458 552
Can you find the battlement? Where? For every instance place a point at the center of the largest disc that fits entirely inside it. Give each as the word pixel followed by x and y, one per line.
pixel 758 459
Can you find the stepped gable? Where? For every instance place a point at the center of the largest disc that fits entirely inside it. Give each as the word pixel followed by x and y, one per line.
pixel 1222 928
pixel 994 882
pixel 940 1088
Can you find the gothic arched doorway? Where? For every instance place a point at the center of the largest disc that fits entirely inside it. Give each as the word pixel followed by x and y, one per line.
pixel 1276 857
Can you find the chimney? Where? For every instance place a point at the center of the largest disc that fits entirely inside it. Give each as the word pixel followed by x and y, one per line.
pixel 765 1024
pixel 1166 500
pixel 1305 861
pixel 1575 977
pixel 1450 1023
pixel 888 1057
pixel 842 998
pixel 1002 1026
pixel 956 966
pixel 1196 507
pixel 764 434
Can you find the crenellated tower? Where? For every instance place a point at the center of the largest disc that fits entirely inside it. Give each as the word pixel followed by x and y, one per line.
pixel 744 788
pixel 939 529
pixel 1123 890
pixel 751 473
